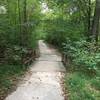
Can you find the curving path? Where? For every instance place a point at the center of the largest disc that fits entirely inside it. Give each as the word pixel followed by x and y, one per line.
pixel 44 83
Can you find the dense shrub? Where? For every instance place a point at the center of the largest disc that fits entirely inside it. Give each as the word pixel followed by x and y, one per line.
pixel 57 30
pixel 82 53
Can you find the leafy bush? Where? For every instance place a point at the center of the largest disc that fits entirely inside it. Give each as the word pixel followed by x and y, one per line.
pixel 15 54
pixel 57 30
pixel 82 53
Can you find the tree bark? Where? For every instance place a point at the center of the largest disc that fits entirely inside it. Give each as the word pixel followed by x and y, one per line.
pixel 25 34
pixel 95 24
pixel 89 17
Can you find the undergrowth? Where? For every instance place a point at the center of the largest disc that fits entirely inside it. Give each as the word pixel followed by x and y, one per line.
pixel 9 76
pixel 80 86
pixel 82 80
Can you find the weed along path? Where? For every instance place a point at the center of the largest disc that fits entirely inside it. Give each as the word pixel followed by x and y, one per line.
pixel 44 83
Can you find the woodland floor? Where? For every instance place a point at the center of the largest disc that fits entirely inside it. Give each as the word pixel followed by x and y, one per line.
pixel 45 79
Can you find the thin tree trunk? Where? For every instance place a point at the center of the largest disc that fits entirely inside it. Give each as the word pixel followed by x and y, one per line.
pixel 95 24
pixel 89 18
pixel 25 36
pixel 20 26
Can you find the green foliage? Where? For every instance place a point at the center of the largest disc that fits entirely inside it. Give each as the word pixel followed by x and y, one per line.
pixel 18 29
pixel 82 54
pixel 14 55
pixel 63 25
pixel 17 38
pixel 57 30
pixel 9 75
pixel 79 87
pixel 68 26
pixel 96 83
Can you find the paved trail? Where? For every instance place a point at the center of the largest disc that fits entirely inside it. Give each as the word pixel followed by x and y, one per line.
pixel 44 81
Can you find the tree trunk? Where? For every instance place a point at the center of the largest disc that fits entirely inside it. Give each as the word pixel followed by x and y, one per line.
pixel 95 24
pixel 20 23
pixel 25 34
pixel 89 17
